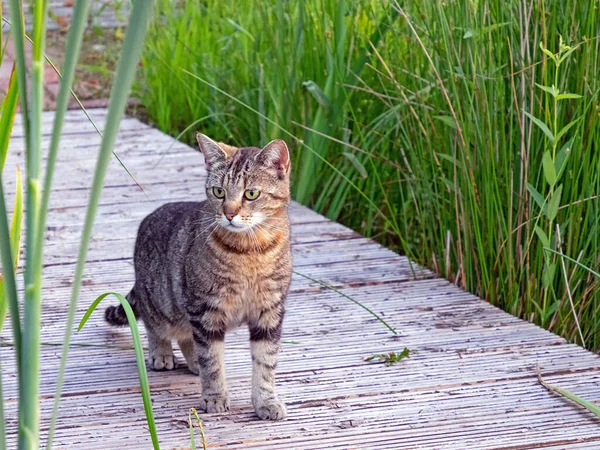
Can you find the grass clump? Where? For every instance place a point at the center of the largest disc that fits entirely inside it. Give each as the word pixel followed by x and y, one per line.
pixel 464 134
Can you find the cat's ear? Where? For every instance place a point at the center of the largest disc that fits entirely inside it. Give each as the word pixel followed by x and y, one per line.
pixel 214 155
pixel 275 155
pixel 230 150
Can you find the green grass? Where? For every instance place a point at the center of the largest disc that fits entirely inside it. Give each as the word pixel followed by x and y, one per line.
pixel 417 123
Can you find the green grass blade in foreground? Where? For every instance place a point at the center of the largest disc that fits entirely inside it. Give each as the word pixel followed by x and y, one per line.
pixel 202 435
pixel 15 239
pixel 192 438
pixel 18 32
pixel 10 287
pixel 15 242
pixel 73 46
pixel 592 407
pixel 126 68
pixel 7 116
pixel 139 356
pixel 29 417
pixel 370 311
pixel 2 420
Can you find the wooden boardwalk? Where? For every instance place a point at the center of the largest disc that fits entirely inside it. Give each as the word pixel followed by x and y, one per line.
pixel 470 385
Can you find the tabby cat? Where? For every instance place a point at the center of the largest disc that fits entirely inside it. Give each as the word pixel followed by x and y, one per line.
pixel 202 268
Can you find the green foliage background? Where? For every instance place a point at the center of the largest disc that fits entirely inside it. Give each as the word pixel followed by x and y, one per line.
pixel 420 124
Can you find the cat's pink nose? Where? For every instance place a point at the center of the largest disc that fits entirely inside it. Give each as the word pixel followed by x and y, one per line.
pixel 230 216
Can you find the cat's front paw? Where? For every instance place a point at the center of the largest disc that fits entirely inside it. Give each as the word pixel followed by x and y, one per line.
pixel 162 362
pixel 212 403
pixel 271 409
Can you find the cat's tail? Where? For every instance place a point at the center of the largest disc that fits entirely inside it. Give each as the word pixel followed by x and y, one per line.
pixel 116 316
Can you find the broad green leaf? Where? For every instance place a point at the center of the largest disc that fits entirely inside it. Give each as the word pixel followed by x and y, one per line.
pixel 553 91
pixel 551 55
pixel 549 170
pixel 560 162
pixel 448 158
pixel 542 126
pixel 568 96
pixel 15 242
pixel 539 198
pixel 554 203
pixel 449 184
pixel 470 33
pixel 139 356
pixel 548 274
pixel 550 310
pixel 543 236
pixel 566 128
pixel 447 120
pixel 356 163
pixel 566 55
pixel 318 94
pixel 241 29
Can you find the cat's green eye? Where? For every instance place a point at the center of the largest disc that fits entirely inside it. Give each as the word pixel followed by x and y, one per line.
pixel 251 194
pixel 218 192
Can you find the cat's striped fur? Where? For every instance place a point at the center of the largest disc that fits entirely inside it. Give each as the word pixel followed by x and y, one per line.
pixel 204 268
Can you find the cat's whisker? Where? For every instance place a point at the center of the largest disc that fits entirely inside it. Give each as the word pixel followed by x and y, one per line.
pixel 271 226
pixel 264 230
pixel 255 239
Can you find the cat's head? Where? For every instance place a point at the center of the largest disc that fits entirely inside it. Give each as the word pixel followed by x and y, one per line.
pixel 246 186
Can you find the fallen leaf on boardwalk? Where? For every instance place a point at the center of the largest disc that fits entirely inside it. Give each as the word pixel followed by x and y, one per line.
pixel 391 357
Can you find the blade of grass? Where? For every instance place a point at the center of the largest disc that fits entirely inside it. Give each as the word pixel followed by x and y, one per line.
pixel 73 46
pixel 139 356
pixel 592 407
pixel 193 411
pixel 2 420
pixel 370 311
pixel 562 255
pixel 15 242
pixel 192 438
pixel 29 418
pixel 10 288
pixel 126 68
pixel 7 117
pixel 18 32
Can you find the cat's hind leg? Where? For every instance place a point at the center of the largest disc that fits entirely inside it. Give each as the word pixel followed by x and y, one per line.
pixel 160 351
pixel 186 346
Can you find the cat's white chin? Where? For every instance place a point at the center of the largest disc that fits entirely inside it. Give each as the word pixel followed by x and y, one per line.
pixel 236 228
pixel 237 225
